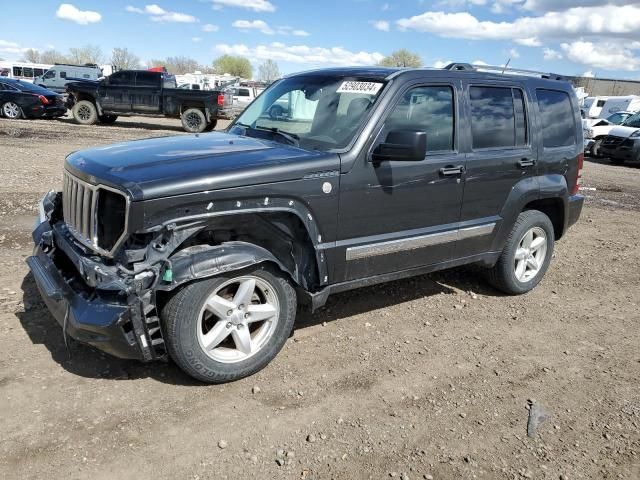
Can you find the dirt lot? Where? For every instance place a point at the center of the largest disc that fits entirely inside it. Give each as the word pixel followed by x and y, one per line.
pixel 428 377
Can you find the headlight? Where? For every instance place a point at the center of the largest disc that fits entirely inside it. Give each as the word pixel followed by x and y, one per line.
pixel 635 134
pixel 588 133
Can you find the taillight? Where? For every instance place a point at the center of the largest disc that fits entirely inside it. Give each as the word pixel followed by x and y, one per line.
pixel 221 100
pixel 43 99
pixel 578 183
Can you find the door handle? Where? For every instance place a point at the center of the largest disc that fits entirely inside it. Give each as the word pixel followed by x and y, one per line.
pixel 526 162
pixel 450 170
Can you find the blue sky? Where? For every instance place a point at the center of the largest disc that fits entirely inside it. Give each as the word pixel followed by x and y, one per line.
pixel 600 37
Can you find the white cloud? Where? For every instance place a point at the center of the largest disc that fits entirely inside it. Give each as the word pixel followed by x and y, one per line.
pixel 588 74
pixel 381 25
pixel 196 39
pixel 11 48
pixel 606 56
pixel 551 54
pixel 529 42
pixel 300 33
pixel 209 27
pixel 441 64
pixel 513 54
pixel 67 11
pixel 608 20
pixel 302 54
pixel 158 14
pixel 259 25
pixel 255 5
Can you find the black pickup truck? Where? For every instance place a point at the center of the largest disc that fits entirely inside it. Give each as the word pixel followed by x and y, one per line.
pixel 142 92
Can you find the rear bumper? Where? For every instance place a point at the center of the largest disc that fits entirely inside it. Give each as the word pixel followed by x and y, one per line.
pixel 576 203
pixel 40 111
pixel 92 303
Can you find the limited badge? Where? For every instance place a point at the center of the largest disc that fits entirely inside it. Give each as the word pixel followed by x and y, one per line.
pixel 327 187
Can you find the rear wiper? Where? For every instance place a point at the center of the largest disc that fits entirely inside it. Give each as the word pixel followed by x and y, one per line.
pixel 292 138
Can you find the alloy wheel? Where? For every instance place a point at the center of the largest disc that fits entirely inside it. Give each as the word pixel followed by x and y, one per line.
pixel 238 319
pixel 530 254
pixel 84 112
pixel 11 110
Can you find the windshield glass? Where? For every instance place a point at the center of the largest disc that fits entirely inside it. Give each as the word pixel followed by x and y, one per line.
pixel 632 121
pixel 315 112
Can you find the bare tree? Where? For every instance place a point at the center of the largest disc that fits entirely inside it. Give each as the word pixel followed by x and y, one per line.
pixel 31 56
pixel 176 65
pixel 123 59
pixel 86 54
pixel 268 72
pixel 53 56
pixel 402 58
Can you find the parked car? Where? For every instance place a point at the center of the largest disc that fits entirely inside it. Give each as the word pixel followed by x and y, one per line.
pixel 20 99
pixel 201 247
pixel 623 142
pixel 57 77
pixel 143 92
pixel 595 133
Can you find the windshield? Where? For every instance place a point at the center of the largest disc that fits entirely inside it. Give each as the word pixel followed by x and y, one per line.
pixel 633 121
pixel 315 112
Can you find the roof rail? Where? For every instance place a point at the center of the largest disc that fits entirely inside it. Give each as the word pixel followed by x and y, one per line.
pixel 467 67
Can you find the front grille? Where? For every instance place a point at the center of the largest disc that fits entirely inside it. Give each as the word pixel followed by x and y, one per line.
pixel 96 215
pixel 612 141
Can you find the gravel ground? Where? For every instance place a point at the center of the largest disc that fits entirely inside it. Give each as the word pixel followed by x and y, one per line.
pixel 431 377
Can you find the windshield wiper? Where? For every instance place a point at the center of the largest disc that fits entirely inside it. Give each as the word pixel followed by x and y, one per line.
pixel 292 138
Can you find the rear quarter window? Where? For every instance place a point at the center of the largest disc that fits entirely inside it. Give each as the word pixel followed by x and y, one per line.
pixel 557 116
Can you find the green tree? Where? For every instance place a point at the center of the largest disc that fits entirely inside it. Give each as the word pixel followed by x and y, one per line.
pixel 401 58
pixel 268 72
pixel 123 59
pixel 233 65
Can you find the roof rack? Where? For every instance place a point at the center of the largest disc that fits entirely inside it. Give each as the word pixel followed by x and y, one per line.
pixel 467 67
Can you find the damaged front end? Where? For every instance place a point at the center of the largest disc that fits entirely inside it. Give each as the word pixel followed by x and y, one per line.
pixel 97 301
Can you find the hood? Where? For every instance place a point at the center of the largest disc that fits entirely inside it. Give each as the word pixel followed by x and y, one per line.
pixel 176 165
pixel 621 131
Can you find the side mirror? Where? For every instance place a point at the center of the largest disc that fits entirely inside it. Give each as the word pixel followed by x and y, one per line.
pixel 403 146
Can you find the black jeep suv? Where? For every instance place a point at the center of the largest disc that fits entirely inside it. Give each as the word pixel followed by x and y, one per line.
pixel 201 247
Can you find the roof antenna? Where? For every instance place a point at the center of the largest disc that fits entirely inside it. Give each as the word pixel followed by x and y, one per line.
pixel 505 66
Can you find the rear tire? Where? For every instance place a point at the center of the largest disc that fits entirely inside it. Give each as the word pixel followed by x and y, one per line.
pixel 526 255
pixel 12 111
pixel 108 119
pixel 194 120
pixel 85 113
pixel 215 336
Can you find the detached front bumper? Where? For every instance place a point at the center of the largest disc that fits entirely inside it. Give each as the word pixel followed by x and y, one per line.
pixel 110 315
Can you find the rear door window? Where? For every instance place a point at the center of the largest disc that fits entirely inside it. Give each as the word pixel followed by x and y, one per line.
pixel 147 79
pixel 558 123
pixel 498 117
pixel 121 78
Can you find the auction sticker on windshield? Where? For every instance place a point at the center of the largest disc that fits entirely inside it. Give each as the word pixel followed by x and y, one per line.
pixel 370 88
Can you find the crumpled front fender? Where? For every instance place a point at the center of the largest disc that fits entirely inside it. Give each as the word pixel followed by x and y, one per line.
pixel 203 261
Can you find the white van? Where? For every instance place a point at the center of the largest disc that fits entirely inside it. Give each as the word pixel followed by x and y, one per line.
pixel 593 106
pixel 57 77
pixel 630 103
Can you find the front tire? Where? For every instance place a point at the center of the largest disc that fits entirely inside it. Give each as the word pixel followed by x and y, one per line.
pixel 229 327
pixel 194 120
pixel 526 255
pixel 85 113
